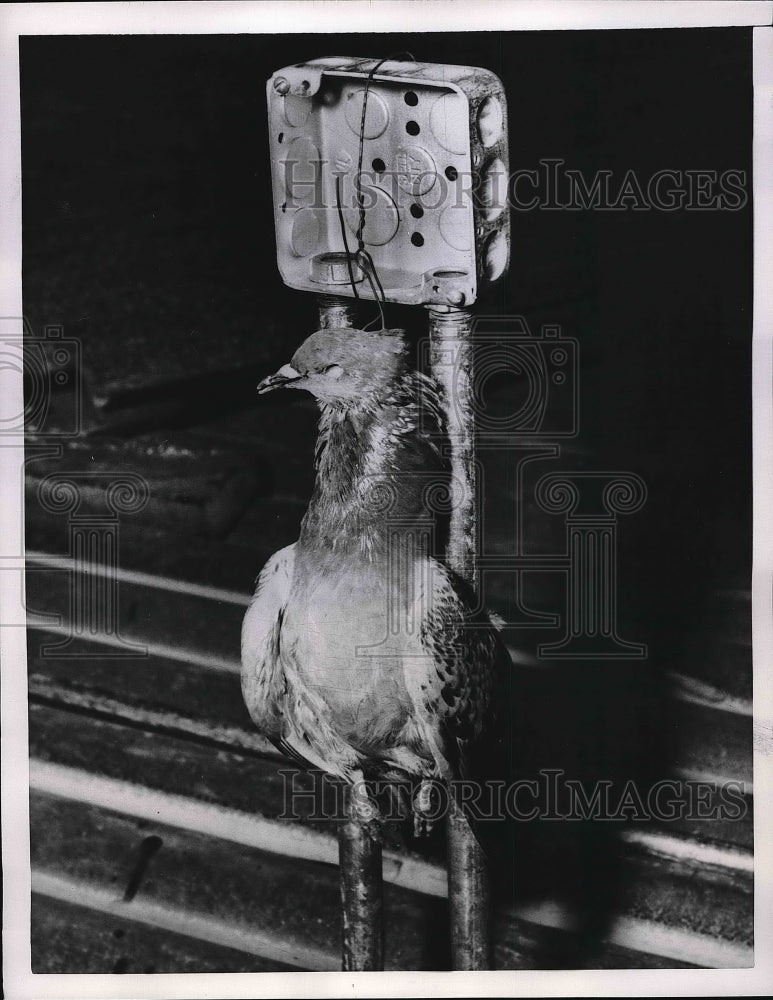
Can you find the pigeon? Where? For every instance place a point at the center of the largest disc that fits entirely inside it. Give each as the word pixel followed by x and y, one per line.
pixel 363 654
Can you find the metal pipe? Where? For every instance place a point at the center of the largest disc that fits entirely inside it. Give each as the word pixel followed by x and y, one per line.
pixel 451 357
pixel 359 856
pixel 451 363
pixel 360 875
pixel 468 895
pixel 336 311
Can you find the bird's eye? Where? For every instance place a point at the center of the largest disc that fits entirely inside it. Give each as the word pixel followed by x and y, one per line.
pixel 333 371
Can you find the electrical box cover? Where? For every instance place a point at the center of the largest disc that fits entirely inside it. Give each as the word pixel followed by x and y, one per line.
pixel 431 203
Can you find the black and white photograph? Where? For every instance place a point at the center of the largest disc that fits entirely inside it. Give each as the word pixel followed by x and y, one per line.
pixel 386 459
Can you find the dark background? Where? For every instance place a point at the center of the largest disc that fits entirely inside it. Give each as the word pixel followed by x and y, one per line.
pixel 148 235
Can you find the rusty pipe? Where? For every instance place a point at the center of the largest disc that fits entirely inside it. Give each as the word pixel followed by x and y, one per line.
pixel 361 885
pixel 451 359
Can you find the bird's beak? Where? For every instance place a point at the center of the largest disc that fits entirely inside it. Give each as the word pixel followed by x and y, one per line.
pixel 285 376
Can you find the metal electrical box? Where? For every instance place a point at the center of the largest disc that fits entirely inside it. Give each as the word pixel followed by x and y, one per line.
pixel 431 205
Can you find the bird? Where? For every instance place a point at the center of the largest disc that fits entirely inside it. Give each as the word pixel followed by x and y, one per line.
pixel 363 654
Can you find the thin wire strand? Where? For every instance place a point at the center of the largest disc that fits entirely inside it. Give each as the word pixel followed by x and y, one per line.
pixel 343 237
pixel 371 264
pixel 375 296
pixel 362 253
pixel 360 200
pixel 368 81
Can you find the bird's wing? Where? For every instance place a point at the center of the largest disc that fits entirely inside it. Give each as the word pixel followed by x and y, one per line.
pixel 309 738
pixel 453 689
pixel 293 718
pixel 262 674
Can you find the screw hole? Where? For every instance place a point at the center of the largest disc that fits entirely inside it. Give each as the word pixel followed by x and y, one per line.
pixel 411 99
pixel 412 128
pixel 280 137
pixel 416 211
pixel 378 165
pixel 417 239
pixel 305 84
pixel 451 173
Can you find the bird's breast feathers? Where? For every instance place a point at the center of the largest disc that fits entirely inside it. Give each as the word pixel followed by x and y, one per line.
pixel 374 645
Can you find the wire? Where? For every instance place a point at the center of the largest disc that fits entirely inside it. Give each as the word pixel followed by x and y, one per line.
pixel 364 261
pixel 368 267
pixel 369 262
pixel 358 175
pixel 368 81
pixel 375 296
pixel 361 255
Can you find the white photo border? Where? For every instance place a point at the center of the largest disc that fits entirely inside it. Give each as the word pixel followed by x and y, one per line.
pixel 346 16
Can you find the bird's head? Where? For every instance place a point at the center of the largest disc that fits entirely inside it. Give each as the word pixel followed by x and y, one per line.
pixel 343 367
